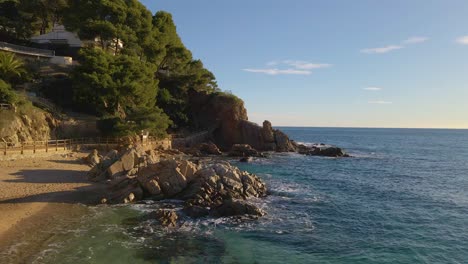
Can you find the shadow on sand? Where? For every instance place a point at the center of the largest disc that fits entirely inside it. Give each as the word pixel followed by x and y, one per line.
pixel 49 176
pixel 90 194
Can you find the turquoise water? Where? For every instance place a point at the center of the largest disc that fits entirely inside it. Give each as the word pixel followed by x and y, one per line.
pixel 403 198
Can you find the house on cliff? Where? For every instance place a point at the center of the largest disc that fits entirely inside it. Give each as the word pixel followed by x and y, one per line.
pixel 58 36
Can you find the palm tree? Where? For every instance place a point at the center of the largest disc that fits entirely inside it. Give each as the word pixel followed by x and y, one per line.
pixel 10 66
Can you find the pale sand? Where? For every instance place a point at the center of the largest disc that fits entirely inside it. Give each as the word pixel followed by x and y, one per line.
pixel 34 191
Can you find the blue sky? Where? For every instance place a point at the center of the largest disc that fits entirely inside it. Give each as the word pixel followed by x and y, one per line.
pixel 338 63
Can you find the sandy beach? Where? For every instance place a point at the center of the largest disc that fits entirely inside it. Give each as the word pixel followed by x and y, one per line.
pixel 34 192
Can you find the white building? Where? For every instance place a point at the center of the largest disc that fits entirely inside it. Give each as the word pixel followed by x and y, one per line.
pixel 59 36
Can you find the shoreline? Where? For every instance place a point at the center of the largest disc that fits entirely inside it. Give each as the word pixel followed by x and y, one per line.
pixel 36 193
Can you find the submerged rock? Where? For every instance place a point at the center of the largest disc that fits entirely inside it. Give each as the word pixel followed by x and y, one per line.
pixel 196 211
pixel 246 159
pixel 167 218
pixel 235 208
pixel 321 150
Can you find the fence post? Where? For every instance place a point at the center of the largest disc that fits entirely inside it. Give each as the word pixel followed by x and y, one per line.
pixel 22 148
pixel 34 147
pixel 5 150
pixel 56 145
pixel 47 146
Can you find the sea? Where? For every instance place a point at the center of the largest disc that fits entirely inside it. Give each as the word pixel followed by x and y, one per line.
pixel 401 198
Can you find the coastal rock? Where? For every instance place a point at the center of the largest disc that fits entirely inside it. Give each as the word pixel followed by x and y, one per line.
pixel 222 181
pixel 209 149
pixel 321 150
pixel 196 211
pixel 171 180
pixel 236 207
pixel 167 218
pixel 267 132
pixel 246 159
pixel 36 126
pixel 200 186
pixel 128 194
pixel 93 158
pixel 244 150
pixel 283 143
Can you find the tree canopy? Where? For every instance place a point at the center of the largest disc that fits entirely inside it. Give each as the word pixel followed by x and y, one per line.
pixel 134 71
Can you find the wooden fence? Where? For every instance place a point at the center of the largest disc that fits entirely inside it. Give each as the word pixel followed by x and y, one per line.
pixel 61 145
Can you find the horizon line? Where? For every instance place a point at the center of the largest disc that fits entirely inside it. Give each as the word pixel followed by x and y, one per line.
pixel 434 128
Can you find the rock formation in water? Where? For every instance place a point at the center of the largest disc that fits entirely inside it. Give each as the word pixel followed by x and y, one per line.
pixel 227 117
pixel 216 189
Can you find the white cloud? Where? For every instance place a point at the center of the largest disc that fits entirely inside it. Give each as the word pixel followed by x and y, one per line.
pixel 389 48
pixel 382 50
pixel 415 40
pixel 372 89
pixel 288 67
pixel 304 65
pixel 463 40
pixel 379 102
pixel 279 72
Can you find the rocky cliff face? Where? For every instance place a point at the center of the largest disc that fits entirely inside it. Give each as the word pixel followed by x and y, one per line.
pixel 221 113
pixel 226 115
pixel 16 128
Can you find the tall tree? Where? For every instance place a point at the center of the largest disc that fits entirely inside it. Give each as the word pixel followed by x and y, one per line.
pixel 110 22
pixel 111 85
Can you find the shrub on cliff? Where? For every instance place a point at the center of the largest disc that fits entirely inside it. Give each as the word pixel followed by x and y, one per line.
pixel 7 95
pixel 11 68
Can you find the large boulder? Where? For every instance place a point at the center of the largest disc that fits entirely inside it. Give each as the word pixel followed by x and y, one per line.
pixel 167 218
pixel 283 143
pixel 93 158
pixel 127 161
pixel 209 149
pixel 167 178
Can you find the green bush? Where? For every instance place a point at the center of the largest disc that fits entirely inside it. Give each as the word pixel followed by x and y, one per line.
pixel 7 95
pixel 151 120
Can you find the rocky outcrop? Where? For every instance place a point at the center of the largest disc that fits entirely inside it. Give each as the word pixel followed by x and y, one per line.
pixel 226 116
pixel 35 126
pixel 220 113
pixel 321 150
pixel 167 218
pixel 205 188
pixel 115 165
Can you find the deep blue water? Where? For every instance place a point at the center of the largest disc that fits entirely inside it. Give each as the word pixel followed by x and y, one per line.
pixel 402 198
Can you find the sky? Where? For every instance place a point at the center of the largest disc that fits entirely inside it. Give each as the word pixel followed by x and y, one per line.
pixel 334 63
